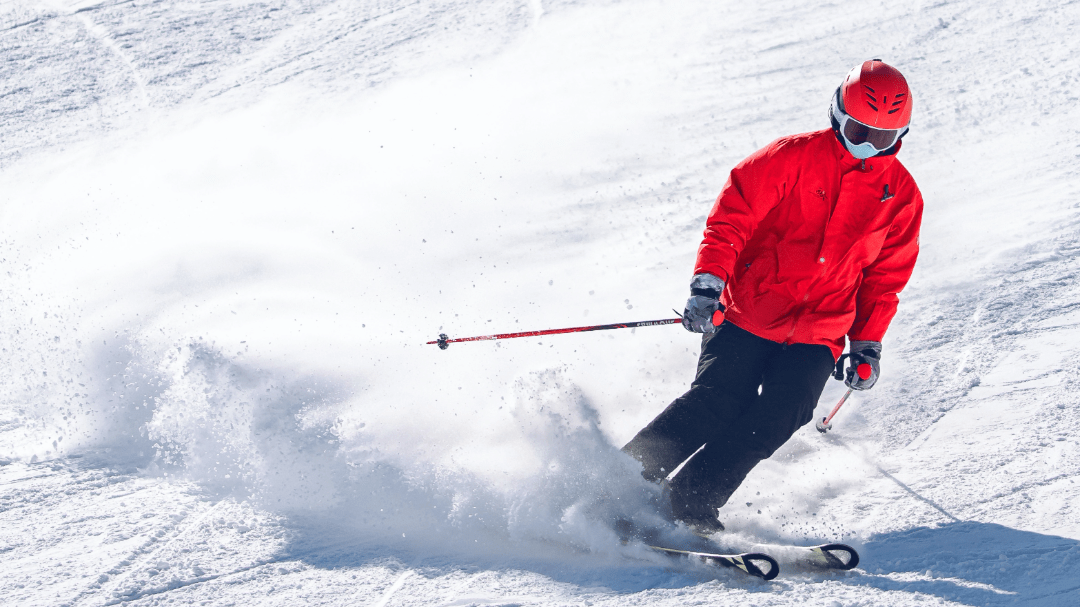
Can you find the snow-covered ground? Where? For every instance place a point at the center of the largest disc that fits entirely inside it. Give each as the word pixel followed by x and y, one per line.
pixel 227 229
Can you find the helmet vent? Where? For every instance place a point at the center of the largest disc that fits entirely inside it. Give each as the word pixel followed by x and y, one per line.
pixel 896 103
pixel 872 100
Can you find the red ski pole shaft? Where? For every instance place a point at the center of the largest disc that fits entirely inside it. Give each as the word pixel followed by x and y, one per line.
pixel 444 341
pixel 826 422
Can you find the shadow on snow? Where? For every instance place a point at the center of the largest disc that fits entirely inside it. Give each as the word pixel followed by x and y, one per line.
pixel 978 563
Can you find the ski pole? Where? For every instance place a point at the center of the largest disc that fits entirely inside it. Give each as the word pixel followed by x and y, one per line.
pixel 444 341
pixel 825 423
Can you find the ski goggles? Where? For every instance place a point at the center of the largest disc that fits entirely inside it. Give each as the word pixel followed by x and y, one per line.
pixel 857 133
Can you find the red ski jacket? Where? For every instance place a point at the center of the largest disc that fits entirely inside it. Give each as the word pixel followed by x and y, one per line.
pixel 812 243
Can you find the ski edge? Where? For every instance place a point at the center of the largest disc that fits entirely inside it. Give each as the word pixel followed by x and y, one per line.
pixel 747 562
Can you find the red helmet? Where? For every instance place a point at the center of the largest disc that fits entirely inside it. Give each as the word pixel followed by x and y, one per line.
pixel 871 110
pixel 877 95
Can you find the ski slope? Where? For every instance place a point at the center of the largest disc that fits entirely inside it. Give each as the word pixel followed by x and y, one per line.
pixel 227 229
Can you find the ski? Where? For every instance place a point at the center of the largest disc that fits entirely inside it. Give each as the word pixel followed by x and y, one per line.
pixel 757 564
pixel 765 561
pixel 762 561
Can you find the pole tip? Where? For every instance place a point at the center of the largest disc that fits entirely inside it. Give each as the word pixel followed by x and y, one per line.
pixel 442 341
pixel 821 426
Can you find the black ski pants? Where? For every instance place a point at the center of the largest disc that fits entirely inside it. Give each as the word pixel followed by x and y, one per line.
pixel 749 397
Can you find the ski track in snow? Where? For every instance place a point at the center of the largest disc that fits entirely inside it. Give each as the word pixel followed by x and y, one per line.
pixel 228 227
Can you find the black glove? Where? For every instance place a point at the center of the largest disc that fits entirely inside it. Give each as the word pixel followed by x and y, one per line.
pixel 704 312
pixel 864 364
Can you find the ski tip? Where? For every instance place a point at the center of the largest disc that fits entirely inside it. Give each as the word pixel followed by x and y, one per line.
pixel 837 556
pixel 760 565
pixel 757 564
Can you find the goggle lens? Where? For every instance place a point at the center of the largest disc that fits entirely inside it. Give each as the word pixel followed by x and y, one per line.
pixel 858 133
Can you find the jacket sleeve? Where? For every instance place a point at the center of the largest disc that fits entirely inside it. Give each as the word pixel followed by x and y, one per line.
pixel 756 185
pixel 876 300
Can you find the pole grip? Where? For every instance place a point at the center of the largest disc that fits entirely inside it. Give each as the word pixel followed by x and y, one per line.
pixel 838 372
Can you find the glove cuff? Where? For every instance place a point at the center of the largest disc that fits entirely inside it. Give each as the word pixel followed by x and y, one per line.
pixel 706 285
pixel 858 346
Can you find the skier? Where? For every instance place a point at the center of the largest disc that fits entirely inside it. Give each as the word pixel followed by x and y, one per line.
pixel 809 241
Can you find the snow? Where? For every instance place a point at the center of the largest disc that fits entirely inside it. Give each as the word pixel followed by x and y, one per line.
pixel 227 229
